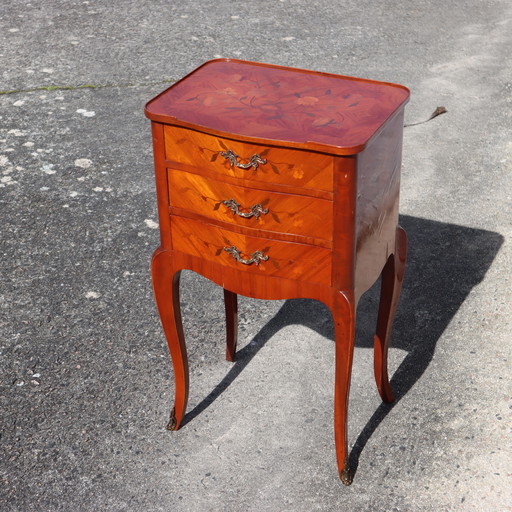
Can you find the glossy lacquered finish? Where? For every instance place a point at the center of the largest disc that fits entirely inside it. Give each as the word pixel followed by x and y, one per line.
pixel 307 109
pixel 278 183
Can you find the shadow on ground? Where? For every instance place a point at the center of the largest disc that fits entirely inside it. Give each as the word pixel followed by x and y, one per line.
pixel 445 261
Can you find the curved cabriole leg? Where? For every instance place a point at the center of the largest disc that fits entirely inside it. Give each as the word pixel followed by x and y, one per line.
pixel 391 284
pixel 344 316
pixel 231 305
pixel 166 282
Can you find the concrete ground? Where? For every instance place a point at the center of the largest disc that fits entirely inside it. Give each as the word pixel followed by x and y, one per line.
pixel 86 382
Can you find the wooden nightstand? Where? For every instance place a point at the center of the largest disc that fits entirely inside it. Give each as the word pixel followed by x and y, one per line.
pixel 280 183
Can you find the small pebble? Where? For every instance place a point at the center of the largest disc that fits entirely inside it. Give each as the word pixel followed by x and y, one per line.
pixel 16 132
pixel 86 113
pixel 151 223
pixel 84 163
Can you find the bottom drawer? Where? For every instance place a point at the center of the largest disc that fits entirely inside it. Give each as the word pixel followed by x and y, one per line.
pixel 254 255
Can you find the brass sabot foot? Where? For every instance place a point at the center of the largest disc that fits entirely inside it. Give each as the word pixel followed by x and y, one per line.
pixel 172 421
pixel 346 476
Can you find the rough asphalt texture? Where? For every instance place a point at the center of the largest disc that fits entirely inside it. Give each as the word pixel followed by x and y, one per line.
pixel 86 382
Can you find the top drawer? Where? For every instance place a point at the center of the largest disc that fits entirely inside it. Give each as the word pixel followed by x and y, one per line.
pixel 243 160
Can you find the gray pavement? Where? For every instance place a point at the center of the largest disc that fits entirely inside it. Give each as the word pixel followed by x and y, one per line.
pixel 86 382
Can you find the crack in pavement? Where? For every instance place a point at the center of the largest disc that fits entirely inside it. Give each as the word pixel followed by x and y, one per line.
pixel 84 86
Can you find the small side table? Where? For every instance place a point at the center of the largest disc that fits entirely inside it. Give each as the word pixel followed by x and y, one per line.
pixel 280 183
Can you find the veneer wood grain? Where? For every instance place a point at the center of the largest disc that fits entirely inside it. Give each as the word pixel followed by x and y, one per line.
pixel 288 213
pixel 296 168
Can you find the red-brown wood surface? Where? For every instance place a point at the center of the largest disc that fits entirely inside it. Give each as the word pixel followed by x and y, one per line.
pixel 299 107
pixel 282 213
pixel 329 156
pixel 166 286
pixel 231 306
pixel 391 284
pixel 162 194
pixel 377 204
pixel 343 308
pixel 251 284
pixel 295 168
pixel 284 259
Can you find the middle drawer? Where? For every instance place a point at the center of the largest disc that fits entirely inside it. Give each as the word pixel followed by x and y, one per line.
pixel 251 208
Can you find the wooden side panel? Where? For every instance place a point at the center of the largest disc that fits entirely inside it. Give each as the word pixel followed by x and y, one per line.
pixel 285 259
pixel 281 213
pixel 162 194
pixel 377 207
pixel 344 222
pixel 284 166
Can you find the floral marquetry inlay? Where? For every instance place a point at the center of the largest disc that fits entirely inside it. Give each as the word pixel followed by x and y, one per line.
pixel 268 102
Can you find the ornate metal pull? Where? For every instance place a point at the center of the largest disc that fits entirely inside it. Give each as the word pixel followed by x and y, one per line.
pixel 254 161
pixel 255 258
pixel 255 210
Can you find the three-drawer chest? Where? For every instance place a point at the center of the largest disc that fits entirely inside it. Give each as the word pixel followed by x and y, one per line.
pixel 280 183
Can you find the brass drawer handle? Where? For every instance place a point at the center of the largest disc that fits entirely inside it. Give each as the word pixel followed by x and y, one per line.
pixel 254 161
pixel 255 258
pixel 255 210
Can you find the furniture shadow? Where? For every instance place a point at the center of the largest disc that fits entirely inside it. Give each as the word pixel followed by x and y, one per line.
pixel 445 262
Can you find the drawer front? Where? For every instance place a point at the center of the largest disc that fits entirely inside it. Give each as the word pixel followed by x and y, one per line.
pixel 251 208
pixel 283 166
pixel 261 256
